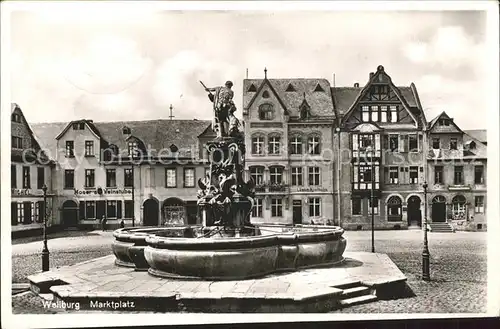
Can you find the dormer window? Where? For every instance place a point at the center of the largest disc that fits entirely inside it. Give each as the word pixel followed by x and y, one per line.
pixel 290 88
pixel 265 94
pixel 126 130
pixel 319 88
pixel 304 112
pixel 78 126
pixel 472 145
pixel 174 148
pixel 266 112
pixel 16 118
pixel 252 88
pixel 132 148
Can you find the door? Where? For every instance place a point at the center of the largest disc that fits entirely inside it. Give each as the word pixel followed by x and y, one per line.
pixel 438 212
pixel 414 213
pixel 70 214
pixel 297 212
pixel 150 212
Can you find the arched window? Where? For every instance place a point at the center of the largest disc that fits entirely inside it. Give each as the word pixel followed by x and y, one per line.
pixel 265 94
pixel 266 112
pixel 394 209
pixel 274 144
pixel 458 207
pixel 314 144
pixel 296 144
pixel 257 144
pixel 438 199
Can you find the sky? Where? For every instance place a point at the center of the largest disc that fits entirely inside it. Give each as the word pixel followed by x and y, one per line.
pixel 132 65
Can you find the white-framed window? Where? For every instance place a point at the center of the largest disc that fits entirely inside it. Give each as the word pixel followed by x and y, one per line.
pixel 393 175
pixel 189 177
pixel 297 179
pixel 479 204
pixel 374 113
pixel 257 145
pixel 110 177
pixel 90 209
pixel 314 176
pixel 276 175
pixel 458 207
pixel 170 177
pixel 478 174
pixel 89 148
pixel 274 145
pixel 257 207
pixel 111 209
pixel 375 206
pixel 393 113
pixel 70 149
pixel 313 145
pixel 266 112
pixel 383 113
pixel 394 142
pixel 314 207
pixel 296 145
pixel 276 207
pixel 257 174
pixel 132 148
pixel 365 113
pixel 89 177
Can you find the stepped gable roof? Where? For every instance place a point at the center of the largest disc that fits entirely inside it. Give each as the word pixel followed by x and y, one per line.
pixel 320 101
pixel 155 134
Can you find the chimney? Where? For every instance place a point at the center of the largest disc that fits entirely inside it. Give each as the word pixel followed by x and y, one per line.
pixel 371 75
pixel 356 85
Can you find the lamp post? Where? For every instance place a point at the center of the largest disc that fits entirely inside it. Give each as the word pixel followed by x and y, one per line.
pixel 339 168
pixel 133 199
pixel 372 199
pixel 425 253
pixel 45 251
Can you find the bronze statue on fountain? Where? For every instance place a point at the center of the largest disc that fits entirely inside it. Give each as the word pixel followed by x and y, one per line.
pixel 224 199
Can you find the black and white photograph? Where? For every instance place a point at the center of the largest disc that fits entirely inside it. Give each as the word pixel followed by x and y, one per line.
pixel 239 160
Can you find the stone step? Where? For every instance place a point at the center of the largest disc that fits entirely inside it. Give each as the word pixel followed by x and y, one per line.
pixel 355 292
pixel 358 300
pixel 346 284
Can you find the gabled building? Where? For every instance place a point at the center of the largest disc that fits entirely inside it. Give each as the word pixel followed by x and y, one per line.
pixel 289 136
pixel 31 169
pixel 457 175
pixel 382 146
pixel 138 172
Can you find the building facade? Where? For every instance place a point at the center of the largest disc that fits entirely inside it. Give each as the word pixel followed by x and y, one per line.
pixel 381 145
pixel 289 139
pixel 31 170
pixel 138 172
pixel 457 175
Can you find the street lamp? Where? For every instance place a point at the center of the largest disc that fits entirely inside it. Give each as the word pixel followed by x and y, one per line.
pixel 425 253
pixel 45 251
pixel 372 199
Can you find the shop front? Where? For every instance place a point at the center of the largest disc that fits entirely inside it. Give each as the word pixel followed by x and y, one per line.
pixel 27 209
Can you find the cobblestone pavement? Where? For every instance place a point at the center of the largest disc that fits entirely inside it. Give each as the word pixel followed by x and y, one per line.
pixel 458 270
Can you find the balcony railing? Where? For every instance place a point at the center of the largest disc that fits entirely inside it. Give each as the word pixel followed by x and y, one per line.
pixel 271 187
pixel 459 187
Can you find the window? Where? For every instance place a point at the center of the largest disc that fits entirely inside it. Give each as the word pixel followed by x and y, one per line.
pixel 128 177
pixel 110 177
pixel 365 113
pixel 276 175
pixel 393 175
pixel 394 208
pixel 189 177
pixel 17 142
pixel 438 175
pixel 314 207
pixel 257 174
pixel 40 178
pixel 20 213
pixel 274 145
pixel 89 177
pixel 89 148
pixel 70 149
pixel 266 112
pixel 313 145
pixel 297 176
pixel 314 176
pixel 459 175
pixel 479 204
pixel 458 207
pixel 129 209
pixel 365 174
pixel 16 118
pixel 413 142
pixel 365 141
pixel 258 145
pixel 265 94
pixel 383 114
pixel 375 206
pixel 478 175
pixel 443 122
pixel 132 148
pixel 296 145
pixel 374 113
pixel 257 208
pixel 394 142
pixel 90 209
pixel 111 209
pixel 78 126
pixel 39 212
pixel 170 177
pixel 276 208
pixel 413 175
pixel 13 176
pixel 356 206
pixel 126 130
pixel 393 113
pixel 453 144
pixel 69 179
pixel 26 177
pixel 436 143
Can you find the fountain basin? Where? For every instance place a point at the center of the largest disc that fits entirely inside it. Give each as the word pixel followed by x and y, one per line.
pixel 128 246
pixel 237 258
